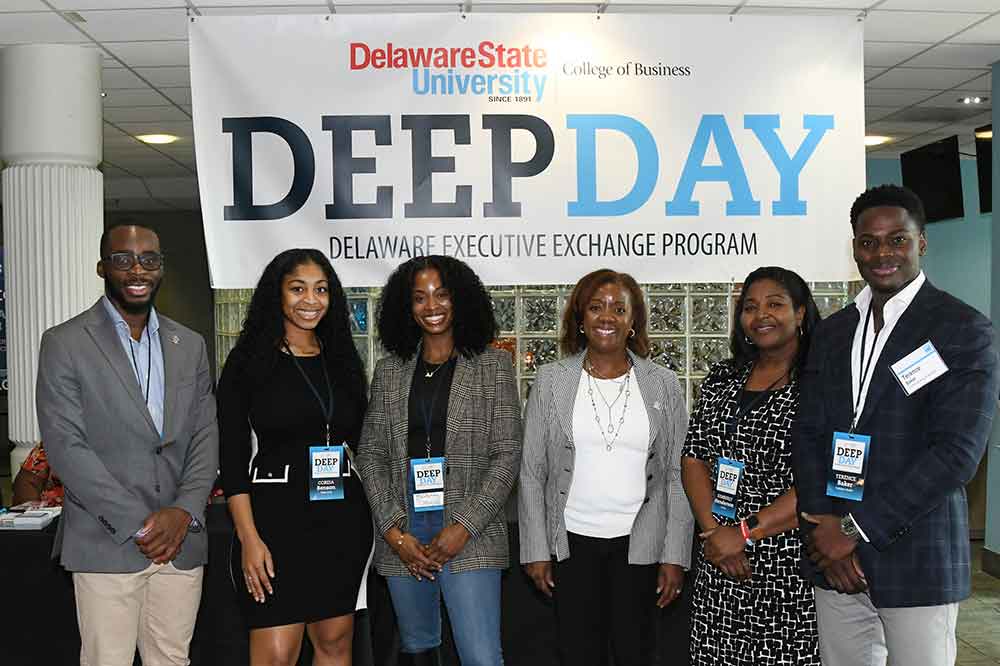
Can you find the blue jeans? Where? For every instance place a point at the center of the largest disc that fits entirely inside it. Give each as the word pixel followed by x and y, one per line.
pixel 473 602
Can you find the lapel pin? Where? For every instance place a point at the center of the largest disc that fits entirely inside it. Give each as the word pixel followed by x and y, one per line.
pixel 174 339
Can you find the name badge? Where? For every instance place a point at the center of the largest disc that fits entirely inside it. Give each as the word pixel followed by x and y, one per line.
pixel 919 368
pixel 727 482
pixel 326 473
pixel 428 484
pixel 848 466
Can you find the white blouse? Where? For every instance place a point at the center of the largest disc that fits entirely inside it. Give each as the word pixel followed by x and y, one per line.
pixel 608 486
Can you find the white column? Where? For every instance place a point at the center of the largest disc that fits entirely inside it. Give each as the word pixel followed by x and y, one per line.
pixel 53 206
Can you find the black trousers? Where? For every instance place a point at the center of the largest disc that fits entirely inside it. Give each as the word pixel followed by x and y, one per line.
pixel 604 603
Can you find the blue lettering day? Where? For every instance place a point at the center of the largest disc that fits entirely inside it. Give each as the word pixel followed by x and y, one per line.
pixel 712 129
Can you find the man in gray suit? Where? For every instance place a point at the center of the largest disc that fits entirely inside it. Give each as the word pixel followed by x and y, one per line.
pixel 126 411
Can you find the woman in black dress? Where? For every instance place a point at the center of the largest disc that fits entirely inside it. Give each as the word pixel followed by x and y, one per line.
pixel 302 521
pixel 751 606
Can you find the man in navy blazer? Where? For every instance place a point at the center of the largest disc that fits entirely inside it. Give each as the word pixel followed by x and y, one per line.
pixel 898 398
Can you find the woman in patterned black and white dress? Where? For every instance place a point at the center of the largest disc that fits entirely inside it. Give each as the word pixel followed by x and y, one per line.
pixel 751 606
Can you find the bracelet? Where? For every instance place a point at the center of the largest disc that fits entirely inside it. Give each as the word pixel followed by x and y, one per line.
pixel 745 531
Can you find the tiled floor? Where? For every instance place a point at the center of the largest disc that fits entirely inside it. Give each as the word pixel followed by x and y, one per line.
pixel 979 618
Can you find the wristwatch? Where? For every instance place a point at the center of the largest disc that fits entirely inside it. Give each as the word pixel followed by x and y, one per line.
pixel 849 528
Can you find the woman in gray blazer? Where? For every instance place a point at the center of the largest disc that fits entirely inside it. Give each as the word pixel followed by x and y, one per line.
pixel 440 449
pixel 605 526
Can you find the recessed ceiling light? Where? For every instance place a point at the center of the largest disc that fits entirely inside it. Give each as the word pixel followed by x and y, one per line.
pixel 972 99
pixel 984 134
pixel 156 138
pixel 875 140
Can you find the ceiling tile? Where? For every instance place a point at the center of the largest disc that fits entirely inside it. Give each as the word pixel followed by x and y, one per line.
pixel 179 95
pixel 136 24
pixel 987 32
pixel 23 6
pixel 126 98
pixel 211 4
pixel 118 77
pixel 151 168
pixel 251 10
pixel 166 76
pixel 146 54
pixel 799 11
pixel 958 55
pixel 900 129
pixel 81 5
pixel 660 8
pixel 37 27
pixel 144 114
pixel 886 26
pixel 986 6
pixel 914 77
pixel 837 4
pixel 873 113
pixel 887 54
pixel 179 128
pixel 896 98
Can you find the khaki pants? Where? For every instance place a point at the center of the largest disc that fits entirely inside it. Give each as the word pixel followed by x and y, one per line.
pixel 154 609
pixel 852 632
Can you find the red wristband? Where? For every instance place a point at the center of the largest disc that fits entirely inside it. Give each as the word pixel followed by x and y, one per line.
pixel 744 530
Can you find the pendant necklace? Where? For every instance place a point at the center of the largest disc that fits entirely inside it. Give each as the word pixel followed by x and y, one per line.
pixel 625 389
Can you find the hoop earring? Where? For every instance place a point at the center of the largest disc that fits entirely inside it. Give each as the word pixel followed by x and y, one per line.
pixel 581 330
pixel 800 330
pixel 748 340
pixel 631 332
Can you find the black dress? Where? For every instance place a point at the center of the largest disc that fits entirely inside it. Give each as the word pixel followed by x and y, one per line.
pixel 319 548
pixel 769 620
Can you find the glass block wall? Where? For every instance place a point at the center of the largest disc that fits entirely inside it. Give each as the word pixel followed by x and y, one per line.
pixel 689 324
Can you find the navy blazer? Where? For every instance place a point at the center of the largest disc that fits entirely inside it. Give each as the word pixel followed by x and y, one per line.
pixel 924 447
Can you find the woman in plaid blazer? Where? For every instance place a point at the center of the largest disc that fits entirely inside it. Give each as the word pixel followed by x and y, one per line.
pixel 440 451
pixel 604 523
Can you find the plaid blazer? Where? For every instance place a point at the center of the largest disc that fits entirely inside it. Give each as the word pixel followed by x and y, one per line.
pixel 924 447
pixel 482 449
pixel 664 527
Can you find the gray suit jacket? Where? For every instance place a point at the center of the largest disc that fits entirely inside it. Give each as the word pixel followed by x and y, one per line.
pixel 482 449
pixel 664 527
pixel 102 443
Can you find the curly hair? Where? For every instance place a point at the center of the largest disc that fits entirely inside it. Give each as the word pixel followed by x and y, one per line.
pixel 743 352
pixel 890 195
pixel 574 341
pixel 474 327
pixel 263 329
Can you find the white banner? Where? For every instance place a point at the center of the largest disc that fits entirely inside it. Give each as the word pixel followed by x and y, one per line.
pixel 535 147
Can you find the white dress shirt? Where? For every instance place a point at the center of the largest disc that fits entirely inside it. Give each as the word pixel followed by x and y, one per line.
pixel 874 344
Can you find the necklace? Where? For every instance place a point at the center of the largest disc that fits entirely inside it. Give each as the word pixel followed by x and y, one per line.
pixel 429 374
pixel 625 389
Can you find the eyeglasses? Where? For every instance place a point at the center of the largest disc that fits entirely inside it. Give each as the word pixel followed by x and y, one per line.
pixel 124 261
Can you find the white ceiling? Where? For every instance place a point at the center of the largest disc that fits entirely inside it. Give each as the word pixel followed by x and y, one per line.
pixel 921 56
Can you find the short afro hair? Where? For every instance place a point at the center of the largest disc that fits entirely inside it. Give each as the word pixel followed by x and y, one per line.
pixel 890 195
pixel 474 325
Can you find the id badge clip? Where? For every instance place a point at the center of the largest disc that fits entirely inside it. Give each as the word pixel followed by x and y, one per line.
pixel 327 471
pixel 727 483
pixel 848 466
pixel 428 484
